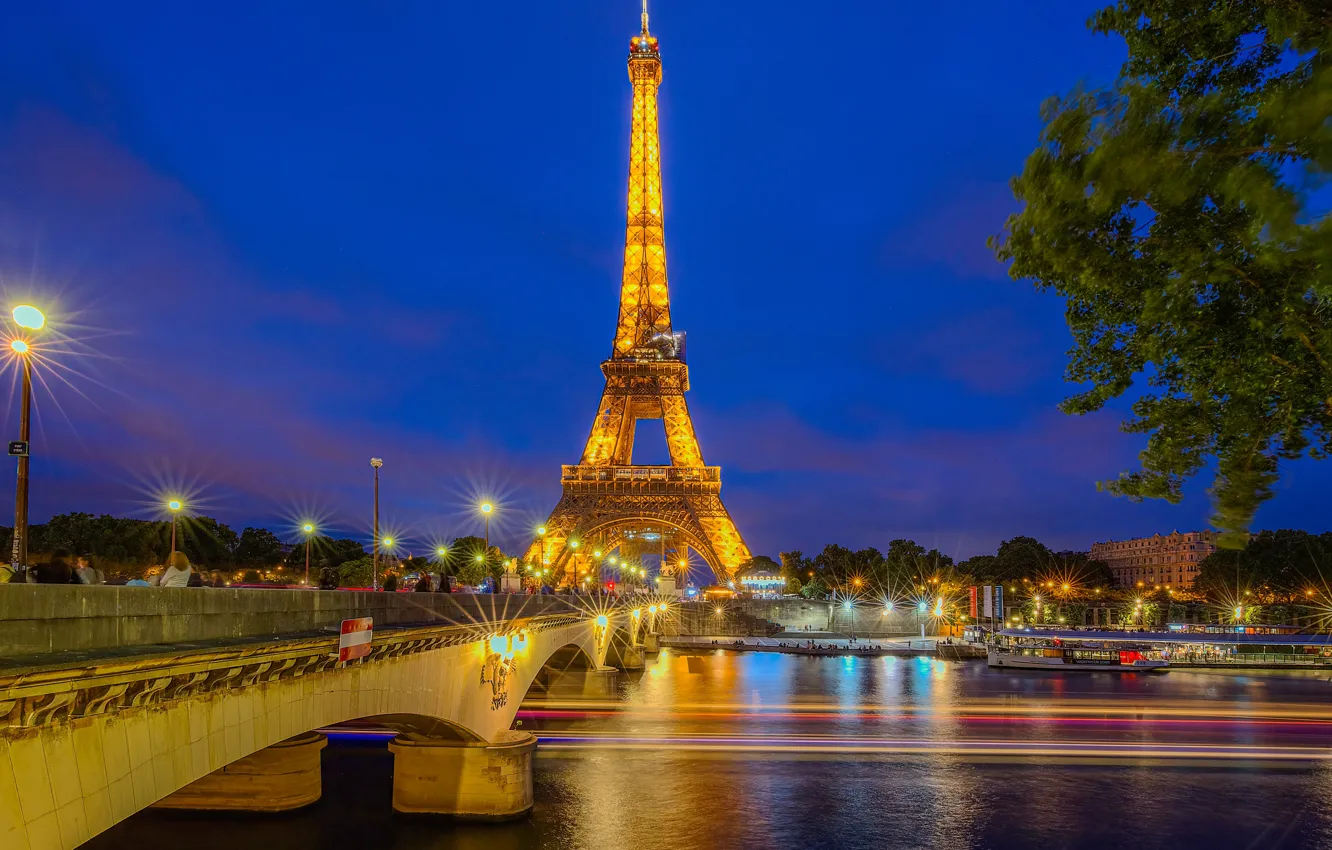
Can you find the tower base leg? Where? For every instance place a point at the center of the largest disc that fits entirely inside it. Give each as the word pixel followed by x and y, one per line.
pixel 473 780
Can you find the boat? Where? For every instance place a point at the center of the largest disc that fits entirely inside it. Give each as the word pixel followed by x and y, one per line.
pixel 1038 653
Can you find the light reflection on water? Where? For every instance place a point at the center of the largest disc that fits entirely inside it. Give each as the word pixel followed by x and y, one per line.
pixel 729 762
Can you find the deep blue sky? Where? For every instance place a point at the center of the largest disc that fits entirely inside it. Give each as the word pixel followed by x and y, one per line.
pixel 295 235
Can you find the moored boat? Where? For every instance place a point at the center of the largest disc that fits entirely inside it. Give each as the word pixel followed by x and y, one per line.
pixel 1082 656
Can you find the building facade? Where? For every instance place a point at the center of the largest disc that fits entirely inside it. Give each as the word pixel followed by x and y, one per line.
pixel 1167 561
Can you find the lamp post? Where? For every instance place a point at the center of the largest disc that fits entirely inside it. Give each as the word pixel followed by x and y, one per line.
pixel 486 508
pixel 541 533
pixel 573 544
pixel 374 558
pixel 174 506
pixel 32 319
pixel 308 528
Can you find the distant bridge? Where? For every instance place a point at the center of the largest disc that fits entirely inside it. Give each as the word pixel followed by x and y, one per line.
pixel 115 699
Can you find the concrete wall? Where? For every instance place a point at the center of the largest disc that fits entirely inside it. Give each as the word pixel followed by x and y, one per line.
pixel 41 618
pixel 796 614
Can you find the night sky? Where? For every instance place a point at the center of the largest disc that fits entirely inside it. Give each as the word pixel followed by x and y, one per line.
pixel 286 237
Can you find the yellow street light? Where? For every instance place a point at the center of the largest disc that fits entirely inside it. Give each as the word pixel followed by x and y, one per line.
pixel 308 528
pixel 652 609
pixel 174 506
pixel 442 551
pixel 486 507
pixel 26 316
pixel 19 346
pixel 602 621
pixel 388 541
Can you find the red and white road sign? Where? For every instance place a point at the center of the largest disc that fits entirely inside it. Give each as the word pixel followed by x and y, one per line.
pixel 354 642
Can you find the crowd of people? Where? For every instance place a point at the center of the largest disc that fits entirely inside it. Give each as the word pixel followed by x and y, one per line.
pixel 58 570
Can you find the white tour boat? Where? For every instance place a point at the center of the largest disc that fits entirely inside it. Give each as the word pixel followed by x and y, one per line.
pixel 1039 653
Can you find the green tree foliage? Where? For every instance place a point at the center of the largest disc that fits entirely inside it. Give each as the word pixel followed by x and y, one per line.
pixel 357 572
pixel 1173 212
pixel 1021 557
pixel 814 589
pixel 983 569
pixel 1275 566
pixel 259 547
pixel 325 551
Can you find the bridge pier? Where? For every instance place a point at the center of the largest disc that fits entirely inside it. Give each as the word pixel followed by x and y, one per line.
pixel 466 779
pixel 279 778
pixel 652 642
pixel 630 657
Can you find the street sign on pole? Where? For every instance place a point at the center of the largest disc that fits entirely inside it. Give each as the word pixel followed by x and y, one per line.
pixel 973 602
pixel 354 641
pixel 18 448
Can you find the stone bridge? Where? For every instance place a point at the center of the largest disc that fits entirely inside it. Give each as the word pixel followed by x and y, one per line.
pixel 116 699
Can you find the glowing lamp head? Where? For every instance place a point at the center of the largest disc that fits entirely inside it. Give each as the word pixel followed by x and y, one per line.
pixel 597 553
pixel 542 531
pixel 717 611
pixel 19 346
pixel 479 558
pixel 602 621
pixel 573 544
pixel 388 541
pixel 442 551
pixel 938 607
pixel 921 606
pixel 1065 587
pixel 638 612
pixel 847 605
pixel 307 528
pixel 174 505
pixel 29 317
pixel 1239 611
pixel 652 609
pixel 486 507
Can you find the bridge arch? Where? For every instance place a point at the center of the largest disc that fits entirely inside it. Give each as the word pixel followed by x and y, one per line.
pixel 609 529
pixel 158 727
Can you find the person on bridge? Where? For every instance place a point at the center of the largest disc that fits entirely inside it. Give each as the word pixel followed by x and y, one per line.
pixel 391 583
pixel 55 571
pixel 177 573
pixel 87 573
pixel 422 584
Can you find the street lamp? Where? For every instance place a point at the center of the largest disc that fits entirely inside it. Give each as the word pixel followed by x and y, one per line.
pixel 174 506
pixel 32 319
pixel 308 528
pixel 486 508
pixel 374 558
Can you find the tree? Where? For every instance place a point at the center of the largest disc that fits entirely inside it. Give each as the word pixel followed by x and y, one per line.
pixel 358 572
pixel 259 547
pixel 1173 212
pixel 1021 557
pixel 206 541
pixel 1275 566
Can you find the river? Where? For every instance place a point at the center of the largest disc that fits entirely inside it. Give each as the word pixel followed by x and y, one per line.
pixel 718 749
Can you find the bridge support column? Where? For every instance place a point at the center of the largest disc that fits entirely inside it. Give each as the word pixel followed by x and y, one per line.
pixel 479 780
pixel 652 642
pixel 279 778
pixel 630 657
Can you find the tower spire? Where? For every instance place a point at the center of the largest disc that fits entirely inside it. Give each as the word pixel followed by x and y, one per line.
pixel 645 307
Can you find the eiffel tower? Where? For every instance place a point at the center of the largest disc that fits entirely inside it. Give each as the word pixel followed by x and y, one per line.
pixel 608 501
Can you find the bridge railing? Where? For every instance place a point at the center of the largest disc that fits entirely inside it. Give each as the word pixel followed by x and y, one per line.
pixel 43 618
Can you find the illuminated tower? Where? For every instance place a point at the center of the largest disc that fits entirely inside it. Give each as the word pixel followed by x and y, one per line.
pixel 609 502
